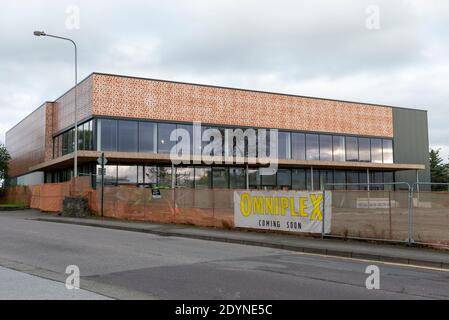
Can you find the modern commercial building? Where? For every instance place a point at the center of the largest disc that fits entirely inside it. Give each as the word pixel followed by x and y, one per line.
pixel 130 120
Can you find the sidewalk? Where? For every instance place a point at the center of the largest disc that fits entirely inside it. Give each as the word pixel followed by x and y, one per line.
pixel 332 247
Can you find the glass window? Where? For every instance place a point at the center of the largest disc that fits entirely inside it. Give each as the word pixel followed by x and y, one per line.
pixel 299 179
pixel 339 177
pixel 352 149
pixel 150 175
pixel 164 131
pixel 284 178
pixel 140 174
pixel 376 150
pixel 185 177
pixel 325 147
pixel 110 176
pixel 203 177
pixel 316 179
pixel 364 150
pixel 376 179
pixel 147 137
pixel 326 179
pixel 363 179
pixel 127 136
pixel 220 177
pixel 237 178
pixel 254 178
pixel 339 153
pixel 387 151
pixel 268 181
pixel 298 146
pixel 108 135
pixel 164 177
pixel 312 147
pixel 284 145
pixel 388 178
pixel 351 178
pixel 189 129
pixel 127 175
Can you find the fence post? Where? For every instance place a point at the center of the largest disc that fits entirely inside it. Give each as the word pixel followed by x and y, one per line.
pixel 389 214
pixel 324 214
pixel 410 216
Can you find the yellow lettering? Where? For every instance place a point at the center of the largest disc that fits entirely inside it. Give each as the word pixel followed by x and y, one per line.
pixel 316 202
pixel 292 208
pixel 303 207
pixel 258 205
pixel 245 204
pixel 269 209
pixel 284 205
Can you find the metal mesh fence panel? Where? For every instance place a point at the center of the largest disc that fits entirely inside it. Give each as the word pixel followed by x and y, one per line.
pixel 379 215
pixel 431 217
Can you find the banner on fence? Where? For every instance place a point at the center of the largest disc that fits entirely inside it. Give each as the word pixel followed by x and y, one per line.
pixel 283 210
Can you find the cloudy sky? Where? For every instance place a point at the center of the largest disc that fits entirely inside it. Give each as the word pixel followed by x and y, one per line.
pixel 332 49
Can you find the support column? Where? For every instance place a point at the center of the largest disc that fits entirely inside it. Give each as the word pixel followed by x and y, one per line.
pixel 311 179
pixel 247 177
pixel 417 181
pixel 368 179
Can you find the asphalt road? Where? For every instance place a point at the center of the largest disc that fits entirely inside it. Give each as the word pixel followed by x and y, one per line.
pixel 123 264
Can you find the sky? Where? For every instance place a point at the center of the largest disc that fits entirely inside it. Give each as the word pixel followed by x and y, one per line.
pixel 386 52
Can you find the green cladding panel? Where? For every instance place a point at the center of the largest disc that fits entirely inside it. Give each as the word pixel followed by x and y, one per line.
pixel 411 143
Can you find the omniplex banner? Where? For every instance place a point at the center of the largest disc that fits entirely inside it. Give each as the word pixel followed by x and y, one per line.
pixel 283 210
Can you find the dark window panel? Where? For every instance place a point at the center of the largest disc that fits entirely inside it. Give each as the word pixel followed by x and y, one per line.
pixel 147 137
pixel 237 178
pixel 326 179
pixel 352 177
pixel 127 136
pixel 164 177
pixel 364 150
pixel 108 134
pixel 339 177
pixel 325 147
pixel 387 150
pixel 298 146
pixel 312 147
pixel 220 177
pixel 254 178
pixel 185 177
pixel 203 177
pixel 164 131
pixel 339 149
pixel 284 178
pixel 352 149
pixel 299 179
pixel 284 145
pixel 316 179
pixel 376 150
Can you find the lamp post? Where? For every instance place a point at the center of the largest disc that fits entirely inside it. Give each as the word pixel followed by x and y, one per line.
pixel 43 34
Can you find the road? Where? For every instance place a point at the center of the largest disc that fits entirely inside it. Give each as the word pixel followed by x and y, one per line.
pixel 129 265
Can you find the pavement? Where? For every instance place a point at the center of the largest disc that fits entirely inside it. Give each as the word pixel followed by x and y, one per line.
pixel 123 264
pixel 333 247
pixel 19 285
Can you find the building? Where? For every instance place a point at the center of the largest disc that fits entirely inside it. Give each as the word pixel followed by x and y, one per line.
pixel 130 120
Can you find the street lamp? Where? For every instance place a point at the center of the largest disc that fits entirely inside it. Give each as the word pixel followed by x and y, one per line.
pixel 43 34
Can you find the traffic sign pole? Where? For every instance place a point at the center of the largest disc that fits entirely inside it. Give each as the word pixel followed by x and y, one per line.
pixel 102 183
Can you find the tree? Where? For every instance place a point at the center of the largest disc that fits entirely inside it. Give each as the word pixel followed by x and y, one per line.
pixel 439 172
pixel 4 162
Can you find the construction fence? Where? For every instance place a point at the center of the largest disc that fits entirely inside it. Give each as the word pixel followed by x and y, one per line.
pixel 46 197
pixel 409 216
